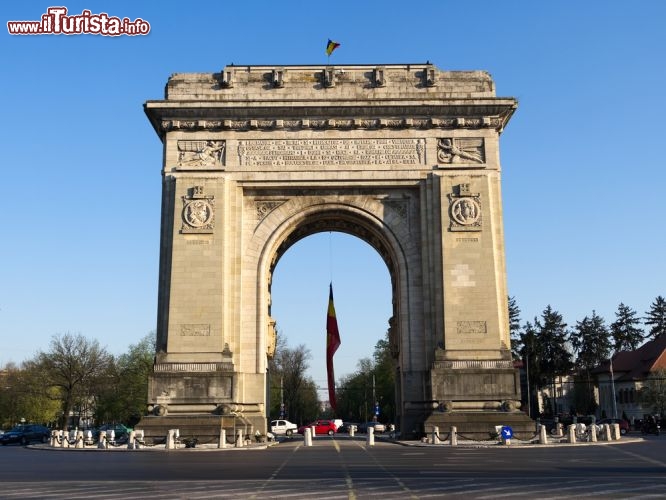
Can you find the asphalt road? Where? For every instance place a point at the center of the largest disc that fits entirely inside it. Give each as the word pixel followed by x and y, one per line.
pixel 340 467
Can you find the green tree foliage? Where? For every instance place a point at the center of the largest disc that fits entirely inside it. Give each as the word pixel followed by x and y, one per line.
pixel 531 354
pixel 354 395
pixel 552 336
pixel 385 380
pixel 123 397
pixel 373 376
pixel 24 397
pixel 514 328
pixel 627 335
pixel 75 366
pixel 591 343
pixel 286 369
pixel 653 393
pixel 655 318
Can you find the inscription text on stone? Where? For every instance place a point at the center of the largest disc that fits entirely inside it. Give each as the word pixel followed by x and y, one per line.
pixel 320 152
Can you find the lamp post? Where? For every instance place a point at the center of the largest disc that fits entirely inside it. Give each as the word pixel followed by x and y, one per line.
pixel 613 388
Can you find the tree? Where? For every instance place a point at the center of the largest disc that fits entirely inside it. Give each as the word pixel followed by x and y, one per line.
pixel 354 395
pixel 653 393
pixel 531 354
pixel 130 372
pixel 23 396
pixel 384 372
pixel 656 318
pixel 287 369
pixel 514 328
pixel 552 335
pixel 591 343
pixel 627 336
pixel 74 365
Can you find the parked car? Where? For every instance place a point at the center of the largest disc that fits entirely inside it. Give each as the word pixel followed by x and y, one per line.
pixel 624 425
pixel 377 426
pixel 321 427
pixel 345 427
pixel 26 434
pixel 121 432
pixel 283 428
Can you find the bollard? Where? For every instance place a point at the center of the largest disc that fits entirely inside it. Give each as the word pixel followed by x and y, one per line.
pixel 131 441
pixel 454 435
pixel 615 431
pixel 171 439
pixel 543 435
pixel 64 441
pixel 239 439
pixel 571 433
pixel 308 436
pixel 435 435
pixel 222 443
pixel 102 441
pixel 593 433
pixel 370 440
pixel 559 430
pixel 314 432
pixel 89 438
pixel 607 432
pixel 138 438
pixel 54 438
pixel 79 440
pixel 352 430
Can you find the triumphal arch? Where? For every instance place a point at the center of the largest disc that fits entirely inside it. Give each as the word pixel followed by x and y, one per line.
pixel 405 157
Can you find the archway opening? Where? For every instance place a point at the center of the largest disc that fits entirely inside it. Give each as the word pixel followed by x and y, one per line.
pixel 363 301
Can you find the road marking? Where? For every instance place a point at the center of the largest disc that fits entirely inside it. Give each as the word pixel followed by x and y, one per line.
pixel 276 472
pixel 636 455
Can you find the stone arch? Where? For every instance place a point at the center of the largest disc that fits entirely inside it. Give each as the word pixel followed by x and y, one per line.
pixel 363 218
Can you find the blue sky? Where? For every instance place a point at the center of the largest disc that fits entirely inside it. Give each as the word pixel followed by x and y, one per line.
pixel 583 170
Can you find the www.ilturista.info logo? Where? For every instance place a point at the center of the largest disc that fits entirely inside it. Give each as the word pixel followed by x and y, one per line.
pixel 56 22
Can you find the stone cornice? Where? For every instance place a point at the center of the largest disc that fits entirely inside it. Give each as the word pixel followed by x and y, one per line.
pixel 460 114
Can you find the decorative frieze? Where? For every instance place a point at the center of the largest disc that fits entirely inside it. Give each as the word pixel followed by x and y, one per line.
pixel 341 123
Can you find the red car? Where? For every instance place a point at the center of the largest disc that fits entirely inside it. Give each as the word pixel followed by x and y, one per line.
pixel 321 427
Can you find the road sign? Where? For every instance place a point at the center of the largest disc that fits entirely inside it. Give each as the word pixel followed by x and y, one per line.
pixel 507 432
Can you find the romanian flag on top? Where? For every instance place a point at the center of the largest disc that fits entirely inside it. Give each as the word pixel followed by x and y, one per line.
pixel 331 46
pixel 332 344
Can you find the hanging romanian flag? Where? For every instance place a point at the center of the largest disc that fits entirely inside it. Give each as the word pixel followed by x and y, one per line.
pixel 332 344
pixel 331 46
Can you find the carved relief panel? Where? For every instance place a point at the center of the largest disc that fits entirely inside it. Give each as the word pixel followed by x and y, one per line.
pixel 464 209
pixel 461 150
pixel 198 212
pixel 201 154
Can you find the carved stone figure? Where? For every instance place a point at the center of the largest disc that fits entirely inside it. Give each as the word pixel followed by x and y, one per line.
pixel 460 150
pixel 195 154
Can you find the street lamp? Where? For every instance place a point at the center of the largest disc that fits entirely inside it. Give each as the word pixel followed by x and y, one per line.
pixel 613 388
